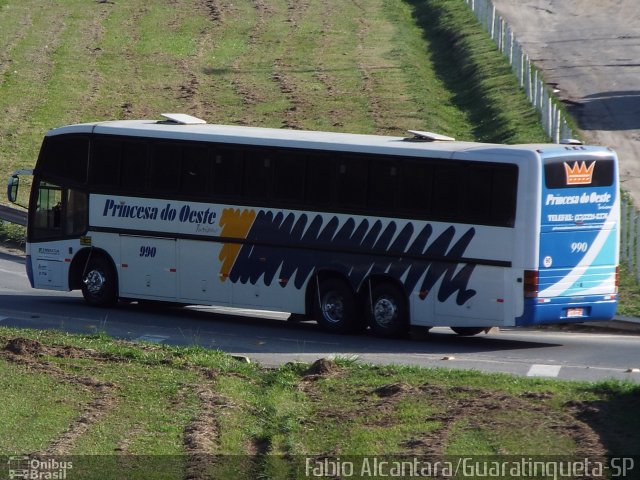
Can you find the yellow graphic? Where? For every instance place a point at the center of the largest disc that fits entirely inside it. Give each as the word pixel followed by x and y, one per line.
pixel 579 174
pixel 235 223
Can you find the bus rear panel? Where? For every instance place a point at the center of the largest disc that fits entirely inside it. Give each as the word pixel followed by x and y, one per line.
pixel 576 279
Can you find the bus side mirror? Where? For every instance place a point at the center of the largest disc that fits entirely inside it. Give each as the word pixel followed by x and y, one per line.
pixel 14 184
pixel 12 188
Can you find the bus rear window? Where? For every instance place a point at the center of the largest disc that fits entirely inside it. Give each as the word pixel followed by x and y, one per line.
pixel 578 173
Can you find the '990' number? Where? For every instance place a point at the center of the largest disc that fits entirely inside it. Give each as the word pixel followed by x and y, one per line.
pixel 579 247
pixel 146 251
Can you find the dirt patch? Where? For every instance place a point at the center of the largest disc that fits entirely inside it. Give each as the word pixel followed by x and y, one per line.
pixel 258 447
pixel 330 82
pixel 28 347
pixel 95 411
pixel 24 346
pixel 201 434
pixel 282 75
pixel 32 349
pixel 244 90
pixel 616 437
pixel 94 34
pixel 214 10
pixel 287 87
pixel 368 78
pixel 394 389
pixel 322 367
pixel 189 90
pixel 296 10
pixel 122 448
pixel 537 395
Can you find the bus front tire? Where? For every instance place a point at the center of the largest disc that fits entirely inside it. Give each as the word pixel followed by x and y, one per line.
pixel 99 283
pixel 468 331
pixel 335 308
pixel 387 311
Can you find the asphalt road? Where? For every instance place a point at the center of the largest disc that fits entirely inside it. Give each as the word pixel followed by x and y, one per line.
pixel 590 51
pixel 271 340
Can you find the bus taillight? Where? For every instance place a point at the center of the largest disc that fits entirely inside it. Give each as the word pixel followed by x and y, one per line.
pixel 617 278
pixel 530 283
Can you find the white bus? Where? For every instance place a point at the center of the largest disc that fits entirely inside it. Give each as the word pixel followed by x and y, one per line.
pixel 354 231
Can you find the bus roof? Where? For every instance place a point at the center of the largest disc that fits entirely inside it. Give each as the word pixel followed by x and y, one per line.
pixel 314 140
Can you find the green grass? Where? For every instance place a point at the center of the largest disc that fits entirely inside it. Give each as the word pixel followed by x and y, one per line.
pixel 117 398
pixel 377 66
pixel 467 62
pixel 629 294
pixel 36 408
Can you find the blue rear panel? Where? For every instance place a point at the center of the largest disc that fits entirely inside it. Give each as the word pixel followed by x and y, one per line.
pixel 578 254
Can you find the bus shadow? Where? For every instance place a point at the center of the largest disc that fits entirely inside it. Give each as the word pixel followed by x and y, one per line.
pixel 10 257
pixel 420 340
pixel 236 332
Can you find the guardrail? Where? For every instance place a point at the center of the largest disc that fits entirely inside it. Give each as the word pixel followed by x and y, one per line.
pixel 629 235
pixel 531 80
pixel 13 215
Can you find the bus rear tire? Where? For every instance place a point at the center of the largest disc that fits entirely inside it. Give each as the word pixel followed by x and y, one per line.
pixel 100 283
pixel 468 331
pixel 336 309
pixel 387 311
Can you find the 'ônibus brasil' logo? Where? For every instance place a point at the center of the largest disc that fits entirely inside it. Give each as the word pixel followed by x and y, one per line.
pixel 579 174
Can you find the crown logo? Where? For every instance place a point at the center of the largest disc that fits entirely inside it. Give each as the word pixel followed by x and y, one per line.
pixel 579 174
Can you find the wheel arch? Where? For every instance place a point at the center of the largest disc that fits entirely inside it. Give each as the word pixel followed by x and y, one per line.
pixel 79 263
pixel 376 279
pixel 312 286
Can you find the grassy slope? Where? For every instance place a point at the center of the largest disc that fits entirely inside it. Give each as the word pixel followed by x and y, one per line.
pixel 181 403
pixel 376 66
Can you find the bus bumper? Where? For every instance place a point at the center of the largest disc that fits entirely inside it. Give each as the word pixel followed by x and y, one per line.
pixel 541 311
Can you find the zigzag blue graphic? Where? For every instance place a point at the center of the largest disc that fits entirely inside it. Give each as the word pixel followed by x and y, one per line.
pixel 355 250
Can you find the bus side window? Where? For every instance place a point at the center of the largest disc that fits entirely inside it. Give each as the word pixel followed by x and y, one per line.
pixel 383 186
pixel 134 166
pixel 351 183
pixel 257 174
pixel 288 185
pixel 165 168
pixel 415 189
pixel 504 195
pixel 475 194
pixel 104 167
pixel 320 180
pixel 227 172
pixel 194 171
pixel 445 192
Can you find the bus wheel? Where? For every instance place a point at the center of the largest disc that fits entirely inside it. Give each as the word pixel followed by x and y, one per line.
pixel 387 311
pixel 468 331
pixel 335 308
pixel 99 283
